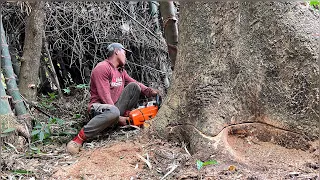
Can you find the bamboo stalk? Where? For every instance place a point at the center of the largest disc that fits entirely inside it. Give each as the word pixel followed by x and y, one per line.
pixel 7 118
pixel 10 78
pixel 168 14
pixel 4 104
pixel 154 12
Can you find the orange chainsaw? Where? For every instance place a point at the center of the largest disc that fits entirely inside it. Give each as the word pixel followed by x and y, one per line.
pixel 138 116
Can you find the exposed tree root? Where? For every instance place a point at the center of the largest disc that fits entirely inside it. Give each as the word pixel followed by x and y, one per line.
pixel 235 126
pixel 250 131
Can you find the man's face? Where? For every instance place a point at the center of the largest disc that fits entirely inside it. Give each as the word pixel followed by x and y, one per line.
pixel 121 54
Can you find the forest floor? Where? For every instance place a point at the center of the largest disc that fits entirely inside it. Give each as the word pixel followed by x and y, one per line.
pixel 122 153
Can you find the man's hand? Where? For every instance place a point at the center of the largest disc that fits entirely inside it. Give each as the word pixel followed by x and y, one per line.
pixel 123 121
pixel 154 92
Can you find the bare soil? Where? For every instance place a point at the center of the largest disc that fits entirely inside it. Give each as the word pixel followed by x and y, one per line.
pixel 114 156
pixel 252 160
pixel 118 161
pixel 271 161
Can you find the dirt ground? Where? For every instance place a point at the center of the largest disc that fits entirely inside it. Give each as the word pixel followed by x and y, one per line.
pixel 115 155
pixel 118 161
pixel 253 160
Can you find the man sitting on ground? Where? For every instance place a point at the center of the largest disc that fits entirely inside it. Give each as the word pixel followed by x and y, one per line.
pixel 113 94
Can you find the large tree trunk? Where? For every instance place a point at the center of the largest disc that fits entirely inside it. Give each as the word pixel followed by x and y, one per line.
pixel 244 67
pixel 30 60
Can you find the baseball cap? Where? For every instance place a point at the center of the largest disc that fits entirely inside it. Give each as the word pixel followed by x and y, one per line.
pixel 114 46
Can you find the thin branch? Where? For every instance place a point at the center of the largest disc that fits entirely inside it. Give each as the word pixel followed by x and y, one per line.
pixel 173 167
pixel 34 104
pixel 145 160
pixel 154 35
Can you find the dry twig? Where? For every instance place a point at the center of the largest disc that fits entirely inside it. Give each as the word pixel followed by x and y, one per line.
pixel 145 160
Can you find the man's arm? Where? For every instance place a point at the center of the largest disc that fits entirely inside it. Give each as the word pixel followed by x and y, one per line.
pixel 144 89
pixel 102 81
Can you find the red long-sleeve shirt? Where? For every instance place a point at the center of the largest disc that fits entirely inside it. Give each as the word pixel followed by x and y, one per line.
pixel 107 84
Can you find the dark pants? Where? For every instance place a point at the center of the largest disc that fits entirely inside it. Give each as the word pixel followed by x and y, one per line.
pixel 106 115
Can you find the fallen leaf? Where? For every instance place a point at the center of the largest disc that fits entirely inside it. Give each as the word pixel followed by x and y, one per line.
pixel 232 168
pixel 200 164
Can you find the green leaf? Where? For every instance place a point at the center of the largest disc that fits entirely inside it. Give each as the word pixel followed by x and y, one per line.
pixel 60 121
pixel 38 127
pixel 47 135
pixel 8 130
pixel 52 96
pixel 77 116
pixel 34 132
pixel 21 171
pixel 53 120
pixel 47 130
pixel 34 148
pixel 214 162
pixel 41 135
pixel 200 164
pixel 81 86
pixel 314 3
pixel 66 90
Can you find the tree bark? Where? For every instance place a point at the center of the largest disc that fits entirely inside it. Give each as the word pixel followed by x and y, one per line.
pixel 168 14
pixel 247 67
pixel 30 60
